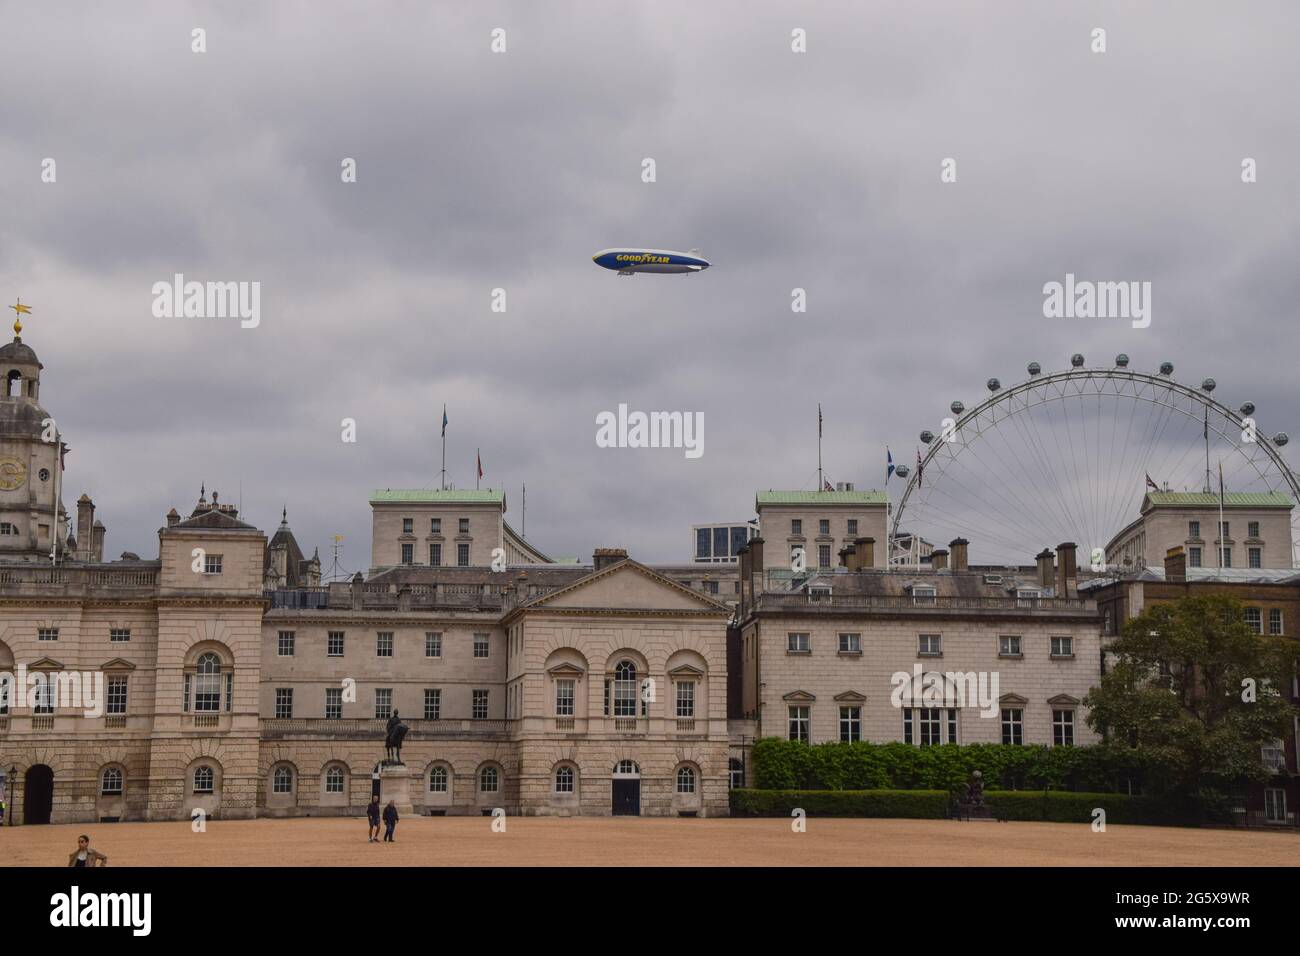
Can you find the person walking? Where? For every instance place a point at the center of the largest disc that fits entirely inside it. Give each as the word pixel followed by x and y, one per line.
pixel 390 821
pixel 372 814
pixel 84 855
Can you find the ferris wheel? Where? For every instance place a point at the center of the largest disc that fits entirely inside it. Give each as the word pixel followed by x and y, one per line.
pixel 1067 456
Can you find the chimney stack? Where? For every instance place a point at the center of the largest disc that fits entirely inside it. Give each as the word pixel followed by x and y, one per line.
pixel 866 551
pixel 85 526
pixel 607 557
pixel 939 559
pixel 1067 570
pixel 849 558
pixel 1045 570
pixel 959 561
pixel 97 543
pixel 756 555
pixel 1176 565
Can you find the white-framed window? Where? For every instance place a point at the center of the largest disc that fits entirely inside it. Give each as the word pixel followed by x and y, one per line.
pixel 383 702
pixel 685 699
pixel 333 703
pixel 284 647
pixel 47 633
pixel 799 723
pixel 408 553
pixel 282 780
pixel 1013 725
pixel 481 646
pixel 565 688
pixel 212 564
pixel 207 684
pixel 462 555
pixel 735 774
pixel 625 689
pixel 823 526
pixel 796 527
pixel 1275 621
pixel 798 642
pixel 929 726
pixel 119 635
pixel 1252 529
pixel 924 594
pixel 463 525
pixel 1063 728
pixel 433 643
pixel 479 705
pixel 1273 755
pixel 1028 597
pixel 685 780
pixel 851 643
pixel 408 526
pixel 334 780
pixel 1194 557
pixel 929 645
pixel 115 698
pixel 1255 557
pixel 1275 805
pixel 1009 645
pixel 433 703
pixel 823 555
pixel 110 782
pixel 1193 530
pixel 1062 647
pixel 850 724
pixel 1254 619
pixel 204 779
pixel 437 779
pixel 564 779
pixel 283 702
pixel 853 527
pixel 43 702
pixel 334 642
pixel 1227 557
pixel 489 780
pixel 435 555
pixel 384 644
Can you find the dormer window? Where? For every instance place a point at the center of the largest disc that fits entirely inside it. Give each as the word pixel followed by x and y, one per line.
pixel 1027 597
pixel 923 594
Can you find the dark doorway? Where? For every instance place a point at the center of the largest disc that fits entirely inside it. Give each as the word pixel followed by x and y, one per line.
pixel 627 797
pixel 38 794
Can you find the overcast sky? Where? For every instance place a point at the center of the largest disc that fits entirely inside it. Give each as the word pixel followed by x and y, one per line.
pixel 479 170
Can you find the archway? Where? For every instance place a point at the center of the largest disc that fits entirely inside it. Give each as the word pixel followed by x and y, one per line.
pixel 38 794
pixel 626 789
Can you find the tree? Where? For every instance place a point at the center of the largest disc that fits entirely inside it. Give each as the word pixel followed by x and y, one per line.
pixel 1198 691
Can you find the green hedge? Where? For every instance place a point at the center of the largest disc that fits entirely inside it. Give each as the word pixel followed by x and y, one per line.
pixel 1058 806
pixel 789 765
pixel 916 804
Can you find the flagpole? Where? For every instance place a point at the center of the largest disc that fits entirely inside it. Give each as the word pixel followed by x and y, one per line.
pixel 1206 433
pixel 820 484
pixel 444 447
pixel 524 530
pixel 478 467
pixel 1222 543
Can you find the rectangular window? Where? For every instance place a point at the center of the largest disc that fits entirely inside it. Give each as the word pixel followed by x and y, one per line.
pixel 1227 557
pixel 462 555
pixel 703 540
pixel 333 703
pixel 115 700
pixel 924 595
pixel 435 555
pixel 1252 529
pixel 1063 728
pixel 721 536
pixel 929 726
pixel 850 643
pixel 119 635
pixel 433 643
pixel 285 648
pixel 47 633
pixel 799 724
pixel 1255 557
pixel 796 527
pixel 43 700
pixel 1255 619
pixel 710 587
pixel 930 645
pixel 564 690
pixel 383 702
pixel 464 526
pixel 334 644
pixel 1193 530
pixel 408 553
pixel 1013 725
pixel 408 526
pixel 1275 621
pixel 435 526
pixel 480 705
pixel 1062 647
pixel 480 645
pixel 212 564
pixel 739 538
pixel 686 699
pixel 850 724
pixel 432 703
pixel 1008 646
pixel 283 702
pixel 1275 805
pixel 823 555
pixel 384 644
pixel 853 527
pixel 1193 557
pixel 798 643
pixel 824 526
pixel 1223 529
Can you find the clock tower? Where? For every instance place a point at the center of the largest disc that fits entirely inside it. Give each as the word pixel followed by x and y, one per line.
pixel 31 515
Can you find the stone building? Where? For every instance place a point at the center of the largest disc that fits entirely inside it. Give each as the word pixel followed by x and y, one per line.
pixel 1257 531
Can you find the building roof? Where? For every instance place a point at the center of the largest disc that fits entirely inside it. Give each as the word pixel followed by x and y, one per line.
pixel 1233 499
pixel 454 496
pixel 821 498
pixel 19 352
pixel 1203 576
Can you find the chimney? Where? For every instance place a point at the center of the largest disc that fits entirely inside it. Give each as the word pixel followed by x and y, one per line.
pixel 866 549
pixel 607 557
pixel 358 590
pixel 85 522
pixel 1067 570
pixel 1045 570
pixel 173 518
pixel 958 546
pixel 756 555
pixel 939 559
pixel 1176 565
pixel 97 549
pixel 849 558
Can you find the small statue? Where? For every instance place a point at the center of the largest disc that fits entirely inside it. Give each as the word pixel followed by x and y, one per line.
pixel 393 738
pixel 975 790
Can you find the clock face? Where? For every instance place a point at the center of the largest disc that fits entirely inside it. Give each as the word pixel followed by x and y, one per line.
pixel 12 474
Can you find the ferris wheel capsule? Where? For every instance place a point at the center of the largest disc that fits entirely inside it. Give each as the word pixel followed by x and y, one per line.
pixel 957 408
pixel 1281 438
pixel 1208 384
pixel 1248 408
pixel 1077 359
pixel 1035 368
pixel 902 471
pixel 1121 360
pixel 927 436
pixel 994 384
pixel 1166 368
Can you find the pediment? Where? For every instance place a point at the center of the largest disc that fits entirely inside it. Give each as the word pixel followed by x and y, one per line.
pixel 1015 699
pixel 852 696
pixel 117 664
pixel 1063 699
pixel 800 696
pixel 628 585
pixel 686 670
pixel 45 664
pixel 566 669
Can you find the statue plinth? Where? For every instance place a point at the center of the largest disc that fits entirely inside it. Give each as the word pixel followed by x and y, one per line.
pixel 395 785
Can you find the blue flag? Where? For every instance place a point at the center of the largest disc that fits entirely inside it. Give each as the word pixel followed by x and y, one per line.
pixel 889 465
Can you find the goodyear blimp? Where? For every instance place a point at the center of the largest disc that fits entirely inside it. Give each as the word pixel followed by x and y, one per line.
pixel 628 262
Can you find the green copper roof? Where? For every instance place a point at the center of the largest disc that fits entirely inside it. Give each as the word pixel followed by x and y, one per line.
pixel 455 496
pixel 1239 499
pixel 821 498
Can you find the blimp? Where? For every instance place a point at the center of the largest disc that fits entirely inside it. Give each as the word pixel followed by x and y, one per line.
pixel 628 262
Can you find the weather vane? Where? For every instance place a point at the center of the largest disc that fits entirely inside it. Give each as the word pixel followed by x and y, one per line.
pixel 19 311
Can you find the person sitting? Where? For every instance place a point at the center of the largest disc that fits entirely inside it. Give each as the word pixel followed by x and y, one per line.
pixel 85 855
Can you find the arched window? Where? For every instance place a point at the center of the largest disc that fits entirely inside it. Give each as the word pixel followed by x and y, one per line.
pixel 334 780
pixel 110 782
pixel 282 780
pixel 207 684
pixel 685 780
pixel 627 767
pixel 204 779
pixel 438 780
pixel 488 780
pixel 14 384
pixel 625 687
pixel 564 780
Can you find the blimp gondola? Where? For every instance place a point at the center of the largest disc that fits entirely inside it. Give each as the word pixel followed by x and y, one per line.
pixel 628 262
